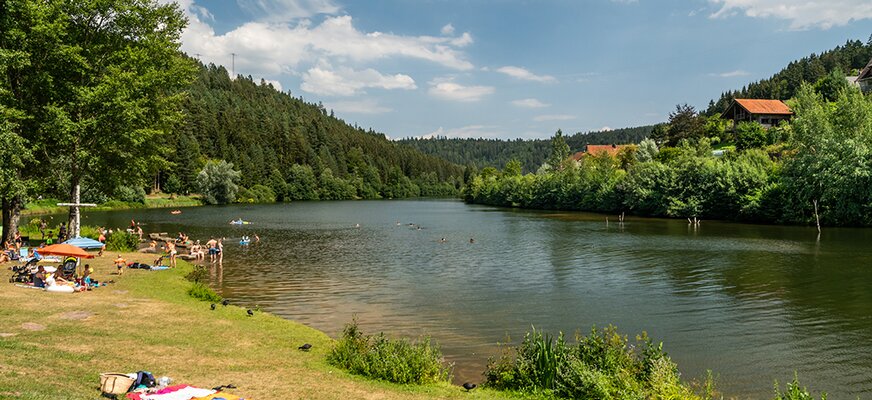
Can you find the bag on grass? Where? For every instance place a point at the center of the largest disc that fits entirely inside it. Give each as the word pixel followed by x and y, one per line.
pixel 115 383
pixel 144 378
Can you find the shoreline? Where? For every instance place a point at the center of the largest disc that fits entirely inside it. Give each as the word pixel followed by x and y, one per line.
pixel 147 321
pixel 151 201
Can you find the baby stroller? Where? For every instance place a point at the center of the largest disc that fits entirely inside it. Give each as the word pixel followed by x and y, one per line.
pixel 24 273
pixel 68 269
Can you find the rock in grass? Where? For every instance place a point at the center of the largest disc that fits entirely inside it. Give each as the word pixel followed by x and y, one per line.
pixel 250 313
pixel 212 306
pixel 305 347
pixel 469 386
pixel 32 326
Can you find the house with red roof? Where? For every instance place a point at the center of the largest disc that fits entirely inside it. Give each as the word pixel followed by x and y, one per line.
pixel 599 149
pixel 765 112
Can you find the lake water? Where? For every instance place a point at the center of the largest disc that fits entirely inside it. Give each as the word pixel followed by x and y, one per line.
pixel 752 303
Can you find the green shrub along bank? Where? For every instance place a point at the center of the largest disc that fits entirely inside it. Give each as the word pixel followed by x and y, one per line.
pixel 817 167
pixel 392 360
pixel 122 241
pixel 795 391
pixel 602 365
pixel 201 291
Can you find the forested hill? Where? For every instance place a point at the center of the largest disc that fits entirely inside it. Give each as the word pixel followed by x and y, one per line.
pixel 849 58
pixel 293 148
pixel 481 153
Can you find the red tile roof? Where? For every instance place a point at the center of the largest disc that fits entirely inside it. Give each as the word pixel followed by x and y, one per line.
pixel 610 149
pixel 758 106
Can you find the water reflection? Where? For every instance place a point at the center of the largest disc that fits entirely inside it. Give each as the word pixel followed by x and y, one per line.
pixel 753 303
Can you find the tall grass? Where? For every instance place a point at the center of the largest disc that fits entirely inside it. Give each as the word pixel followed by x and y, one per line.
pixel 392 360
pixel 795 392
pixel 203 292
pixel 602 365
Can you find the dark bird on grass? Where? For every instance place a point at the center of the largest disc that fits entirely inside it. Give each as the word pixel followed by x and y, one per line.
pixel 212 306
pixel 305 347
pixel 225 302
pixel 469 386
pixel 250 313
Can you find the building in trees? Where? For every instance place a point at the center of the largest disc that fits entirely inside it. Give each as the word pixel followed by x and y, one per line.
pixel 599 149
pixel 764 112
pixel 865 78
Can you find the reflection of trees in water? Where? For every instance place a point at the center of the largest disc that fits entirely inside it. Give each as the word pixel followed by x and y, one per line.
pixel 828 281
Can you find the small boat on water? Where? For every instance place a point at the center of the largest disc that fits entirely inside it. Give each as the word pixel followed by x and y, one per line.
pixel 176 212
pixel 239 222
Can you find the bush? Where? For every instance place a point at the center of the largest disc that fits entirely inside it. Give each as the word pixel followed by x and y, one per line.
pixel 203 292
pixel 795 392
pixel 122 241
pixel 257 194
pixel 130 195
pixel 392 360
pixel 600 366
pixel 750 135
pixel 217 182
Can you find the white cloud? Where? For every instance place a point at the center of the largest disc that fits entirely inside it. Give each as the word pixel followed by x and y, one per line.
pixel 554 117
pixel 802 14
pixel 529 103
pixel 465 132
pixel 447 30
pixel 366 106
pixel 270 49
pixel 730 74
pixel 345 81
pixel 287 10
pixel 449 90
pixel 605 128
pixel 276 84
pixel 521 73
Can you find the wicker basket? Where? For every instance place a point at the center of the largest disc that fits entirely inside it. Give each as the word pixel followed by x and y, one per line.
pixel 114 383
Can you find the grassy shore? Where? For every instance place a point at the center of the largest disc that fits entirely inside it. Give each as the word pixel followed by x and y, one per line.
pixel 49 206
pixel 55 345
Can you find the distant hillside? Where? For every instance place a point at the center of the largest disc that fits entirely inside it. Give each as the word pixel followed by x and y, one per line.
pixel 482 153
pixel 296 149
pixel 849 58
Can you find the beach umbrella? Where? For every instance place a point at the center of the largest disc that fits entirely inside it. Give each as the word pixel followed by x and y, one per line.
pixel 64 250
pixel 84 243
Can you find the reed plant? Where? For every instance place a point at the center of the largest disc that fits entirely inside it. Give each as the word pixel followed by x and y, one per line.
pixel 602 365
pixel 201 291
pixel 393 360
pixel 795 391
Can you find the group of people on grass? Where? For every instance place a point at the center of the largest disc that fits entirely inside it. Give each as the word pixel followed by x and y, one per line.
pixel 80 281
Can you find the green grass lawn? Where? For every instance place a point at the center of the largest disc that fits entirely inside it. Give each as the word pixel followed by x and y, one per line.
pixel 55 345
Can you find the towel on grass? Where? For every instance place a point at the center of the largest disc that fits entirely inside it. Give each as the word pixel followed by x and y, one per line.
pixel 176 392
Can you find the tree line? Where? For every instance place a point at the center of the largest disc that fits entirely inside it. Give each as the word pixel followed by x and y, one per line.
pixel 816 169
pixel 480 153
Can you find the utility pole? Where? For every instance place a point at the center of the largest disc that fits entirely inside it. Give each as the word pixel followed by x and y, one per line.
pixel 233 65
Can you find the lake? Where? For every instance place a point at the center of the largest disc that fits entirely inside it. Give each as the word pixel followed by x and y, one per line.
pixel 752 303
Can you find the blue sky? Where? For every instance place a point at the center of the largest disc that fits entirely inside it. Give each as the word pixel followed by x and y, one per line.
pixel 514 68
